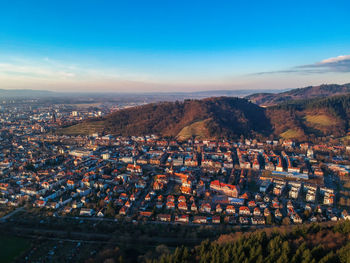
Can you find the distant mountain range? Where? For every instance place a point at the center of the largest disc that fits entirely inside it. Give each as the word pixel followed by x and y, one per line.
pixel 322 91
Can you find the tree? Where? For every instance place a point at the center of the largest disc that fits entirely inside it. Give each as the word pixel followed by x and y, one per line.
pixel 162 249
pixel 269 219
pixel 344 254
pixel 307 214
pixel 110 211
pixel 307 256
pixel 286 221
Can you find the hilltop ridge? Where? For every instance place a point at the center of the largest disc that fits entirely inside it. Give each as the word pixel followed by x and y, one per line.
pixel 311 92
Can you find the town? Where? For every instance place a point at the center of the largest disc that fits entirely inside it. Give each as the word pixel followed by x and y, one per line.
pixel 164 180
pixel 174 131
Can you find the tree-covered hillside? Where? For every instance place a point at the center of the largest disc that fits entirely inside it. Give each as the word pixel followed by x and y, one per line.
pixel 225 117
pixel 222 117
pixel 306 244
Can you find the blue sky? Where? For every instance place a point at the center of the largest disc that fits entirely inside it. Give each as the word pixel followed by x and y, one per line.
pixel 173 45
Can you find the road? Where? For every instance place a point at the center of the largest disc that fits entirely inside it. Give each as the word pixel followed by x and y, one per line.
pixel 4 218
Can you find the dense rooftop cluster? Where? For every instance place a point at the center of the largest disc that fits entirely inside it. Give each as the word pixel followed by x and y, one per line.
pixel 147 178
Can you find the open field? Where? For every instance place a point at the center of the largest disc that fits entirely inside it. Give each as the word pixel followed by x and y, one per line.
pixel 86 128
pixel 12 247
pixel 197 129
pixel 321 119
pixel 291 133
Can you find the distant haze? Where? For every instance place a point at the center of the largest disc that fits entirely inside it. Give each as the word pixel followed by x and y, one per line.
pixel 132 96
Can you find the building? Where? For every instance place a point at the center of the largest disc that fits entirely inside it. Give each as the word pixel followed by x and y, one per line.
pixel 86 212
pixel 164 217
pixel 227 189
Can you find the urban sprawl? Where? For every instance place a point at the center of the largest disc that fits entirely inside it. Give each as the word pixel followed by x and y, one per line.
pixel 147 178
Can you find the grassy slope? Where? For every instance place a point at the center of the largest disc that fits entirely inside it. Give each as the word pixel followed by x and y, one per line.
pixel 322 119
pixel 291 134
pixel 87 128
pixel 197 129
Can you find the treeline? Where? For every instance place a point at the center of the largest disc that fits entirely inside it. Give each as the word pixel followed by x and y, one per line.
pixel 306 244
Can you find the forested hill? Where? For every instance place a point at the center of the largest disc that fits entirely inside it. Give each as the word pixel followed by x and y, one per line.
pixel 307 244
pixel 222 117
pixel 322 91
pixel 226 117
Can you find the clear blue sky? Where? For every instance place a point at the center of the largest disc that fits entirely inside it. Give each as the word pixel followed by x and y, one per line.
pixel 173 45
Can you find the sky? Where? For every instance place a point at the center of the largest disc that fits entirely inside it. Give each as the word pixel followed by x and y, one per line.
pixel 173 45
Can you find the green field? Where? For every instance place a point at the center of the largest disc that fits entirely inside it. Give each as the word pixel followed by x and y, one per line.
pixel 12 247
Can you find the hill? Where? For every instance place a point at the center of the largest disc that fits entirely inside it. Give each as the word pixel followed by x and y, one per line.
pixel 226 117
pixel 221 117
pixel 311 118
pixel 322 91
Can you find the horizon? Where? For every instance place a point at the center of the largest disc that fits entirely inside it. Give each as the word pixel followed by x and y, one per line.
pixel 244 92
pixel 166 47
